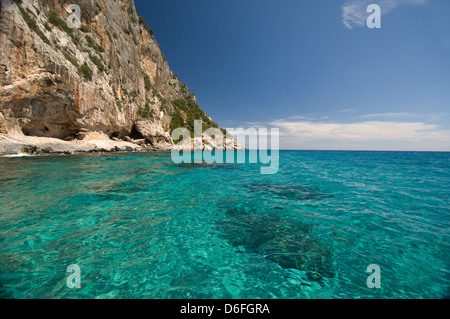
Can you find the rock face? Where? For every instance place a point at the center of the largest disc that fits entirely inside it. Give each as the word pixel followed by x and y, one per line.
pixel 109 76
pixel 153 132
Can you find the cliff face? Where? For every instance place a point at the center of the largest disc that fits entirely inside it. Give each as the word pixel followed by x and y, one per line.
pixel 109 76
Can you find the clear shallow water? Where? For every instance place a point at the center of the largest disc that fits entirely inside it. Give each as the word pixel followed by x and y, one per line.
pixel 140 226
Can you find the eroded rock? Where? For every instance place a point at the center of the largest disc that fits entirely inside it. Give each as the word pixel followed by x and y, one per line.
pixel 44 92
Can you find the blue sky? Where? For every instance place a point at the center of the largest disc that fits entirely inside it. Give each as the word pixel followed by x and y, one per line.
pixel 314 69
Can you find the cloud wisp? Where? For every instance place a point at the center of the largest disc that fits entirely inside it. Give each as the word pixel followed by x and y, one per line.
pixel 387 115
pixel 365 135
pixel 354 12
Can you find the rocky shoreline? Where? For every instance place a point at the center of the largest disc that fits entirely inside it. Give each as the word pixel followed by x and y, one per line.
pixel 94 142
pixel 20 144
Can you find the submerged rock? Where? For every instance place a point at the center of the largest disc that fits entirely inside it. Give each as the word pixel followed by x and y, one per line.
pixel 222 166
pixel 287 242
pixel 287 191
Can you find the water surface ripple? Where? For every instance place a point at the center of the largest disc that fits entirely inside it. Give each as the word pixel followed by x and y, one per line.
pixel 140 226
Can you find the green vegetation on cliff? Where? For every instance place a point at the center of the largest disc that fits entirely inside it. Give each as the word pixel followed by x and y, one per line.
pixel 86 71
pixel 31 23
pixel 185 112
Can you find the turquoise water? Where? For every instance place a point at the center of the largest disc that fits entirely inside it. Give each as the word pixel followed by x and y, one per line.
pixel 140 226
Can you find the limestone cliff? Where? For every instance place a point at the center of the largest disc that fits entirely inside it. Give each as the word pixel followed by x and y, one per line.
pixel 108 77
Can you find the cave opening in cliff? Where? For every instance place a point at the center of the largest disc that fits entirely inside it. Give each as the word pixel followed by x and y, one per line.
pixel 116 134
pixel 135 134
pixel 25 132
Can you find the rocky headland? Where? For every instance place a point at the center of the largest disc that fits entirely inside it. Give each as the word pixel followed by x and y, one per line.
pixel 105 86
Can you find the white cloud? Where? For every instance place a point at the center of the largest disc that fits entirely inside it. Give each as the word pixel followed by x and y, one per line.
pixel 369 135
pixel 366 116
pixel 354 11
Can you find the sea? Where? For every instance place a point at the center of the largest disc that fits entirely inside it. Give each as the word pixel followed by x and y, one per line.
pixel 327 225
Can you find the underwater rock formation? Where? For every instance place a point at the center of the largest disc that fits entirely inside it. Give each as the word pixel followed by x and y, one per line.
pixel 287 191
pixel 287 242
